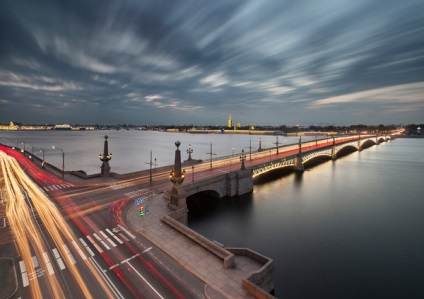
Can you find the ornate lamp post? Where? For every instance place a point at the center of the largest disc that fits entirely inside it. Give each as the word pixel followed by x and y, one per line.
pixel 63 159
pixel 189 152
pixel 105 158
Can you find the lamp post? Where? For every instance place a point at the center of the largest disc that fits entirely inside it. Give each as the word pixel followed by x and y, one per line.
pixel 63 159
pixel 192 173
pixel 189 152
pixel 42 163
pixel 23 142
pixel 211 153
pixel 242 160
pixel 32 152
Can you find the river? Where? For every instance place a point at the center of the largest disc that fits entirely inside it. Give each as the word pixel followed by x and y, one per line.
pixel 350 228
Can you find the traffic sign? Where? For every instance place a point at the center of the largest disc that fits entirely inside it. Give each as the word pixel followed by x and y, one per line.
pixel 138 201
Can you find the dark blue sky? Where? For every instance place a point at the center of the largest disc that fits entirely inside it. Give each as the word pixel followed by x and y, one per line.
pixel 265 62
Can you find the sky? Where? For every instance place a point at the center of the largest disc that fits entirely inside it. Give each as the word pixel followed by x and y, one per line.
pixel 265 62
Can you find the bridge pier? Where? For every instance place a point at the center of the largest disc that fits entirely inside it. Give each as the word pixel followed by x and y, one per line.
pixel 298 165
pixel 333 150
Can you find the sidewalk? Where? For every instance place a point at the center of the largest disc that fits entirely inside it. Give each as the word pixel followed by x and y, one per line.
pixel 221 282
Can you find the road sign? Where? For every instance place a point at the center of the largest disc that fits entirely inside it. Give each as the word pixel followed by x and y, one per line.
pixel 138 201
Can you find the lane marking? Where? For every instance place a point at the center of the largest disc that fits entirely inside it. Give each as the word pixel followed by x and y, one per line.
pixel 123 237
pixel 101 241
pixel 125 230
pixel 55 188
pixel 107 238
pixel 148 249
pixel 79 250
pixel 24 274
pixel 86 247
pixel 35 261
pixel 142 277
pixel 68 252
pixel 115 237
pixel 106 278
pixel 48 263
pixel 58 259
pixel 94 244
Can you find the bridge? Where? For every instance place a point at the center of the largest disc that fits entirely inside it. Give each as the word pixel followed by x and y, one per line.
pixel 234 182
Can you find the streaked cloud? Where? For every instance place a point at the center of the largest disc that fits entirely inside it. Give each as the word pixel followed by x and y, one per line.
pixel 263 61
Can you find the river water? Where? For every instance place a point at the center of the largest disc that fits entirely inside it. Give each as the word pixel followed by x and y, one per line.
pixel 351 228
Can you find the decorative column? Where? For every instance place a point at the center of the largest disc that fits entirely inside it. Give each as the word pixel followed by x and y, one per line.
pixel 298 165
pixel 105 158
pixel 177 200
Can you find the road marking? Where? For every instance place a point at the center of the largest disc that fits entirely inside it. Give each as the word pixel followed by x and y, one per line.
pixel 142 277
pixel 123 237
pixel 24 274
pixel 148 249
pixel 125 230
pixel 86 247
pixel 48 263
pixel 55 188
pixel 68 252
pixel 4 222
pixel 35 261
pixel 106 279
pixel 45 188
pixel 115 237
pixel 94 244
pixel 59 186
pixel 79 250
pixel 58 259
pixel 107 238
pixel 101 241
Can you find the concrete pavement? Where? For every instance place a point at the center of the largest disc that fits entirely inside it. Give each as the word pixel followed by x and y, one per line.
pixel 221 282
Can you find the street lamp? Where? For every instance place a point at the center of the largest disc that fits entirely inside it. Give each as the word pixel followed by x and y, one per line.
pixel 192 173
pixel 23 151
pixel 189 152
pixel 63 159
pixel 242 160
pixel 42 163
pixel 32 152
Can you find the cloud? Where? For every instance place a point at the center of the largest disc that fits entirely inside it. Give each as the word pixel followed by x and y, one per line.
pixel 288 60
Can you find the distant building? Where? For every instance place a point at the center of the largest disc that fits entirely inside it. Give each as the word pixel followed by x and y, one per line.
pixel 10 127
pixel 64 127
pixel 230 122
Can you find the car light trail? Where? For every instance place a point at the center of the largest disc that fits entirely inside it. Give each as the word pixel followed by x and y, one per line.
pixel 26 232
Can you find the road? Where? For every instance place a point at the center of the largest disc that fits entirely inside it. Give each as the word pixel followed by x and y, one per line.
pixel 90 252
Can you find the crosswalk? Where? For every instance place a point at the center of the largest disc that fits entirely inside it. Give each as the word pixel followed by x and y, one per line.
pixel 57 187
pixel 102 240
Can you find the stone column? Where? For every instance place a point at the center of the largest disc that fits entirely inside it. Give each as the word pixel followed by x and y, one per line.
pixel 105 158
pixel 178 196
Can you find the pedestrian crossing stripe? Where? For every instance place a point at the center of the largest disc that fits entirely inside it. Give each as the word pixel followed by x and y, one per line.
pixel 58 259
pixel 57 187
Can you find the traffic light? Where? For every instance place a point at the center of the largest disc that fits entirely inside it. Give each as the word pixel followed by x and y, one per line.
pixel 141 210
